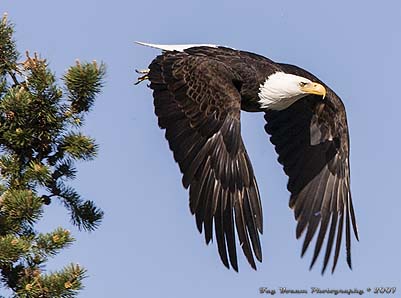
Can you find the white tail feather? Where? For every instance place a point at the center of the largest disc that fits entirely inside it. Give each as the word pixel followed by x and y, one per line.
pixel 175 47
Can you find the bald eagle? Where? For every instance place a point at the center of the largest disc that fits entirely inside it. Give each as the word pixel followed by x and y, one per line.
pixel 199 92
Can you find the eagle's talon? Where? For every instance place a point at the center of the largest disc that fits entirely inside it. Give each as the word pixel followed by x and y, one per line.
pixel 145 76
pixel 141 79
pixel 142 71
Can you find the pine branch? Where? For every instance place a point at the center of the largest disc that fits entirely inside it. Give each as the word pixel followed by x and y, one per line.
pixel 78 146
pixel 39 144
pixel 84 214
pixel 19 210
pixel 8 52
pixel 84 82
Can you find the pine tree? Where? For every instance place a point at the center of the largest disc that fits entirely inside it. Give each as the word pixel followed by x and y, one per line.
pixel 39 143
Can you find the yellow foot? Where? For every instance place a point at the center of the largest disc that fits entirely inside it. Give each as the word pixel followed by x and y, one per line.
pixel 145 76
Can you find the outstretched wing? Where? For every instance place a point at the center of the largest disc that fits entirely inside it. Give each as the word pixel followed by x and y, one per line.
pixel 198 104
pixel 311 138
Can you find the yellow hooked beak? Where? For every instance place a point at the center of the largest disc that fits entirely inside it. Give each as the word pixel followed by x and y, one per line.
pixel 314 88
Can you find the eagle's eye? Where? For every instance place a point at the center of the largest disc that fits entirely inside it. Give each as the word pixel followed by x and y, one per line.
pixel 302 84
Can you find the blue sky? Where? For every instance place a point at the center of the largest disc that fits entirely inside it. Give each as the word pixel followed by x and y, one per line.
pixel 148 244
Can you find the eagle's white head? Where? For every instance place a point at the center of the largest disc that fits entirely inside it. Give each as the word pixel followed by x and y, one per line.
pixel 280 90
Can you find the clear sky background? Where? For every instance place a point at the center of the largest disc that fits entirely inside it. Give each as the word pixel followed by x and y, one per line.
pixel 148 244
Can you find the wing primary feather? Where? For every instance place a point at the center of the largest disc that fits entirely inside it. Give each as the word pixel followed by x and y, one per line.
pixel 348 234
pixel 194 192
pixel 312 226
pixel 256 205
pixel 353 218
pixel 208 198
pixel 310 211
pixel 216 196
pixel 303 218
pixel 243 167
pixel 196 164
pixel 224 197
pixel 251 226
pixel 338 241
pixel 333 225
pixel 330 241
pixel 325 218
pixel 297 201
pixel 219 231
pixel 241 229
pixel 200 211
pixel 228 222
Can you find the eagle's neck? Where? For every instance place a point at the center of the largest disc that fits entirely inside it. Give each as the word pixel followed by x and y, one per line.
pixel 279 91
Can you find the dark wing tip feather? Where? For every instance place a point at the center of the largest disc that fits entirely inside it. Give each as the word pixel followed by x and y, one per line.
pixel 220 236
pixel 241 229
pixel 338 242
pixel 353 218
